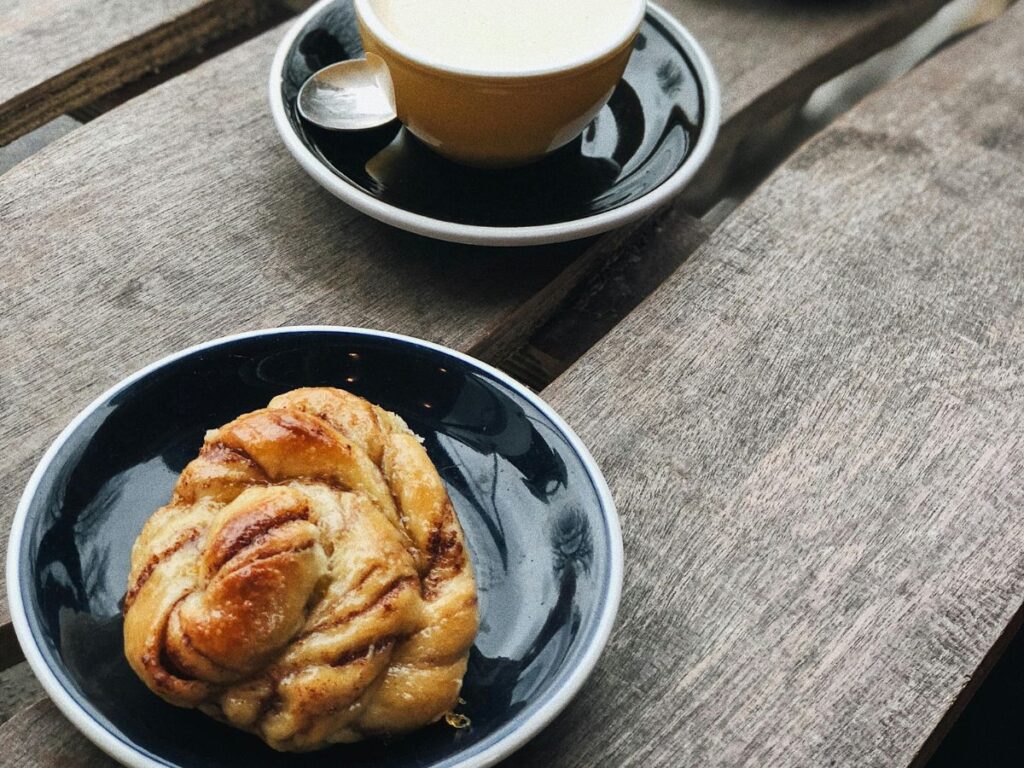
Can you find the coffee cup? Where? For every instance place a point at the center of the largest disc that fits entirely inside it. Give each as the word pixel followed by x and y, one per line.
pixel 500 83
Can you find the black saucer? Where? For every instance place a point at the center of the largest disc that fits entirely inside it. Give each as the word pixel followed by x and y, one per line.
pixel 638 141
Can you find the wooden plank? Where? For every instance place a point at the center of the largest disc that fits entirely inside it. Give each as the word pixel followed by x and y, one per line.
pixel 18 689
pixel 40 737
pixel 821 469
pixel 58 56
pixel 772 54
pixel 30 143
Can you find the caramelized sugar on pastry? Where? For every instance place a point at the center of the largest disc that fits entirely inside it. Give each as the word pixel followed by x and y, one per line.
pixel 309 581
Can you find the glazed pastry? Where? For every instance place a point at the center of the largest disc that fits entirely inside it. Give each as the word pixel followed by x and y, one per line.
pixel 309 581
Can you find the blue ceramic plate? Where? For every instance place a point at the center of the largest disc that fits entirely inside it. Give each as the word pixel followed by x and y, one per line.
pixel 540 523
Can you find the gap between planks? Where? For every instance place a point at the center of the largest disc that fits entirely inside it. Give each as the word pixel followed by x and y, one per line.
pixel 272 16
pixel 180 40
pixel 931 745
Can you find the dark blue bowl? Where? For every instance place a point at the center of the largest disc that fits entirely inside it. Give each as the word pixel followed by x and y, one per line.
pixel 540 523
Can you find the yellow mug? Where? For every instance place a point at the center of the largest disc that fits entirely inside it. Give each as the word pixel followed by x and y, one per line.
pixel 496 119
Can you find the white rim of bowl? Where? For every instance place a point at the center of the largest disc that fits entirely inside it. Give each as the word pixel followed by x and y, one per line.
pixel 473 234
pixel 368 14
pixel 126 754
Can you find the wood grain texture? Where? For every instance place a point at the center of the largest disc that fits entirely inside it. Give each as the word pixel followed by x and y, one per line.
pixel 26 146
pixel 40 737
pixel 771 54
pixel 18 690
pixel 58 56
pixel 821 469
pixel 615 274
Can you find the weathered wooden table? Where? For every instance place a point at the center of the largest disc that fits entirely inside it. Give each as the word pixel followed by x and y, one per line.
pixel 820 470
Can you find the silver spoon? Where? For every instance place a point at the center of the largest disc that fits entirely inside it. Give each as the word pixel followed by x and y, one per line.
pixel 349 96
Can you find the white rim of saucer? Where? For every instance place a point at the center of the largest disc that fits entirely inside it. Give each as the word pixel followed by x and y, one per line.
pixel 127 754
pixel 506 236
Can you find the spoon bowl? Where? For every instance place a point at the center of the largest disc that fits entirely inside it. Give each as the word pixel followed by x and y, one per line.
pixel 354 95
